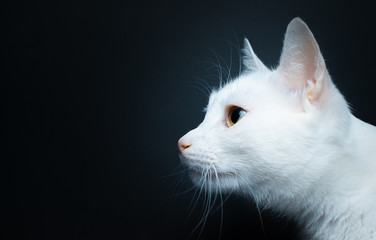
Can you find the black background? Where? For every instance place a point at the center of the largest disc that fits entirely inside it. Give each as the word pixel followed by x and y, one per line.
pixel 97 93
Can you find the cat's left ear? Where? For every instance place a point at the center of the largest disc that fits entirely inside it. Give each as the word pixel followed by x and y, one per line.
pixel 301 65
pixel 250 61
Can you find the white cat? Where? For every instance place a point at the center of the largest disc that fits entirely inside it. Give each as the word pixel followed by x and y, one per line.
pixel 286 138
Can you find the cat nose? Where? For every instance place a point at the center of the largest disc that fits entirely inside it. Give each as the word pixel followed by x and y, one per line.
pixel 183 144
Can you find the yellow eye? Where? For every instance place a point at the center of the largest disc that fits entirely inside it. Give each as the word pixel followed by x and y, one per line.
pixel 234 115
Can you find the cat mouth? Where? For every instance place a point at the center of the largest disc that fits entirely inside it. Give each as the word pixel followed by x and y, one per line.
pixel 199 169
pixel 209 173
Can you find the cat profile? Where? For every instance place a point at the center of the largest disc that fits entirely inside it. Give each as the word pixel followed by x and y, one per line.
pixel 286 138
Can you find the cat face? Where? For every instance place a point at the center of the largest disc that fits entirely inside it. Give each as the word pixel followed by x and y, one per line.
pixel 263 131
pixel 231 147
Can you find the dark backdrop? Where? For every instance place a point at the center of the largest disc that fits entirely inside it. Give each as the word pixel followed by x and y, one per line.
pixel 97 93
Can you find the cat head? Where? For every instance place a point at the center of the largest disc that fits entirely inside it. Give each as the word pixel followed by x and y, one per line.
pixel 270 132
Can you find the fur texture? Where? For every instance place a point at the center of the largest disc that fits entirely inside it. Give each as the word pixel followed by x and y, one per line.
pixel 298 149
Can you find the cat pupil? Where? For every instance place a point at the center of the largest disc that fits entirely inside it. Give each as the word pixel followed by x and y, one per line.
pixel 235 114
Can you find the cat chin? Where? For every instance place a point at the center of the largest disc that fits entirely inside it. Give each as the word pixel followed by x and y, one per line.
pixel 212 179
pixel 204 173
pixel 210 174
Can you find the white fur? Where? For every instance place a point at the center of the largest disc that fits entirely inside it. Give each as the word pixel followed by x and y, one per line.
pixel 298 150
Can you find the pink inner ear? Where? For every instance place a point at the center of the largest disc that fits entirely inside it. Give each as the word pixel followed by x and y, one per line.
pixel 298 68
pixel 301 61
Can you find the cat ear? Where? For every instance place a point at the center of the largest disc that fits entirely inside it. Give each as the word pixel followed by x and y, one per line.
pixel 250 61
pixel 301 63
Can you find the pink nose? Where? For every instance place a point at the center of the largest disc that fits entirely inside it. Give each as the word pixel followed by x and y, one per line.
pixel 183 144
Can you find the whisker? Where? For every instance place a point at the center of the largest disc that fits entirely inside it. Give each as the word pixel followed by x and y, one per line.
pixel 174 174
pixel 206 202
pixel 238 50
pixel 221 200
pixel 229 70
pixel 177 184
pixel 201 79
pixel 220 69
pixel 201 90
pixel 184 192
pixel 209 202
pixel 203 83
pixel 206 209
pixel 202 181
pixel 257 206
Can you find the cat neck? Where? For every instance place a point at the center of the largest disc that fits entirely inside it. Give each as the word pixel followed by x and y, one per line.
pixel 339 204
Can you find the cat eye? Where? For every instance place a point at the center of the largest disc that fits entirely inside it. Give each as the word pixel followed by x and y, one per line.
pixel 234 115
